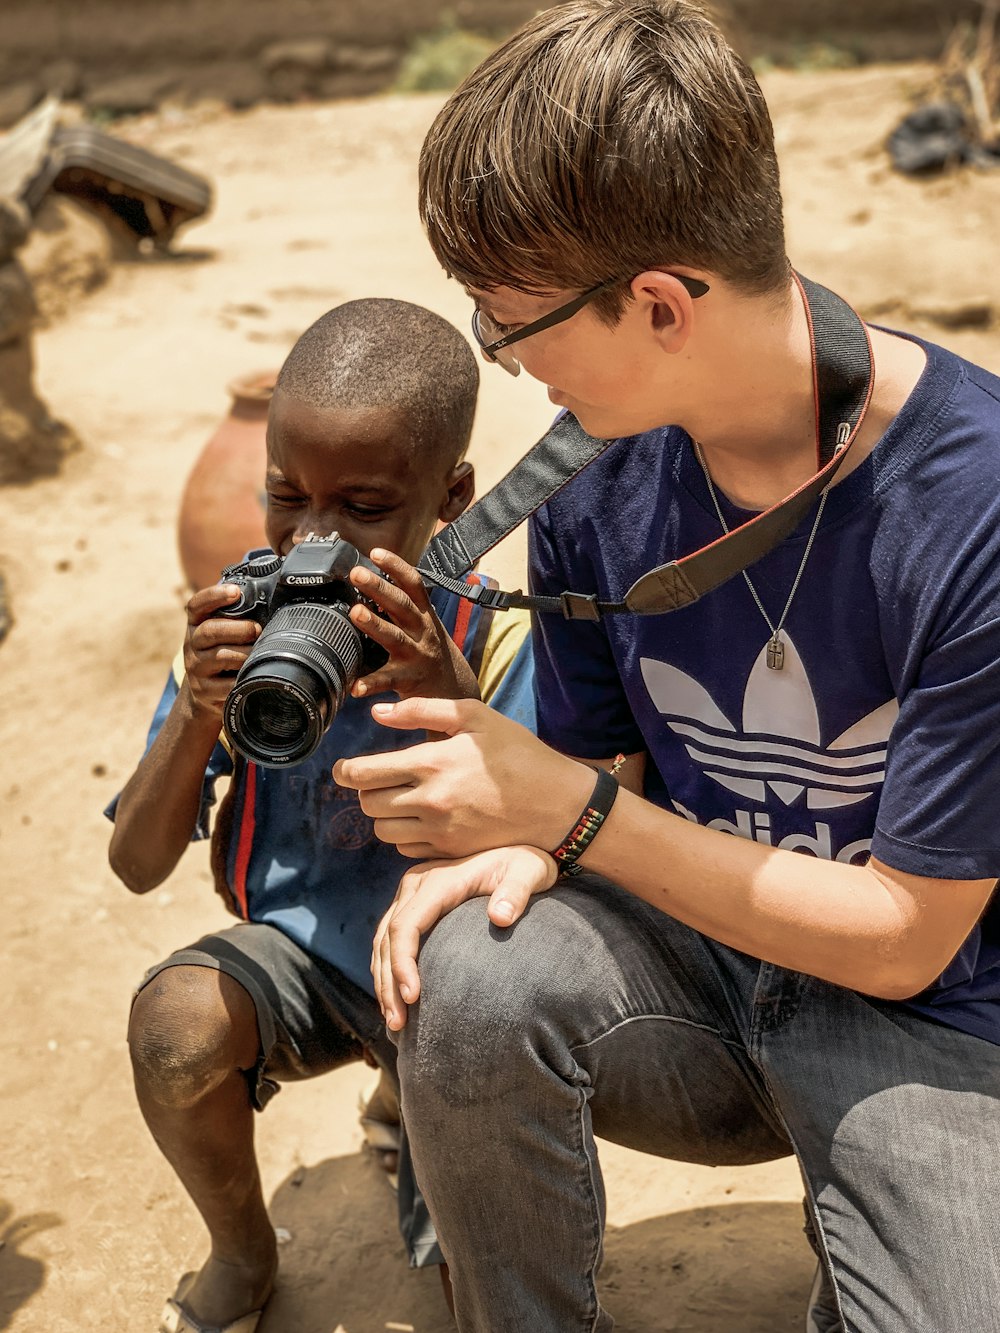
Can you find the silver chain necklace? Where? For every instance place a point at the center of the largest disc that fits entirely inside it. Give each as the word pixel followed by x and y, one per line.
pixel 775 647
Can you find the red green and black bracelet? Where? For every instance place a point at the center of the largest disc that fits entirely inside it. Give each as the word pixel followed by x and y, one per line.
pixel 585 830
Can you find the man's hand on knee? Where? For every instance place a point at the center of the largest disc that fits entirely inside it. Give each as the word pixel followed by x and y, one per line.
pixel 508 876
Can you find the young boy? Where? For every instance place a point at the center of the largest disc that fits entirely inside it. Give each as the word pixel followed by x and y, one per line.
pixel 367 433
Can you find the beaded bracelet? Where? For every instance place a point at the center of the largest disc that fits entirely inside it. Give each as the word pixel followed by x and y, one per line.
pixel 585 830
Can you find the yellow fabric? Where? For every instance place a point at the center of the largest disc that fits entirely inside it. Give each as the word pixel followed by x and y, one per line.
pixel 503 642
pixel 177 667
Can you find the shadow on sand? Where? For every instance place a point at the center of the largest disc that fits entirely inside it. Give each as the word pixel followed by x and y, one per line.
pixel 20 1275
pixel 743 1266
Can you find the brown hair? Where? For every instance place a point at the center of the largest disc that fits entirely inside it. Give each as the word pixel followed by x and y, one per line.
pixel 603 138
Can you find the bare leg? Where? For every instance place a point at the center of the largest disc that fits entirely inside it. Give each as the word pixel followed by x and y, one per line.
pixel 192 1034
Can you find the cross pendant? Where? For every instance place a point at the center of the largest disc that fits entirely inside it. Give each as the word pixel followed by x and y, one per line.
pixel 775 653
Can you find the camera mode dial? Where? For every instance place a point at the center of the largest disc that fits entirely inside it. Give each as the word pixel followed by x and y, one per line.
pixel 262 566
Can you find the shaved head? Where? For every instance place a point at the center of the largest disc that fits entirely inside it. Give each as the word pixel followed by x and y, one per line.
pixel 381 353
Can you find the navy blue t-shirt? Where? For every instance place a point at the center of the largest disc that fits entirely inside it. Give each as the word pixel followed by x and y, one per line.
pixel 882 732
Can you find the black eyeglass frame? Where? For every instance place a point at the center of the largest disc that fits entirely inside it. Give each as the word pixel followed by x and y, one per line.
pixel 694 286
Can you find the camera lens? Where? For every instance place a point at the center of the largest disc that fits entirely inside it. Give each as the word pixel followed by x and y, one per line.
pixel 274 717
pixel 291 686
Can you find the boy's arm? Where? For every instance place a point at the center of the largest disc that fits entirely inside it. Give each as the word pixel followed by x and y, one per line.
pixel 158 810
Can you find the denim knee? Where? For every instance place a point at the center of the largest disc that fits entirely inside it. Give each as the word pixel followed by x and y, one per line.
pixel 495 1005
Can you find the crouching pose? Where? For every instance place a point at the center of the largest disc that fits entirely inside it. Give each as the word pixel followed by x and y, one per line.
pixel 367 436
pixel 782 939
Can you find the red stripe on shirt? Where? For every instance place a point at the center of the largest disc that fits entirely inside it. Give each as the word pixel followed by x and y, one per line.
pixel 462 617
pixel 245 843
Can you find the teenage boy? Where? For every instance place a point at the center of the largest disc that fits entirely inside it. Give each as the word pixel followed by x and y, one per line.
pixel 367 435
pixel 828 982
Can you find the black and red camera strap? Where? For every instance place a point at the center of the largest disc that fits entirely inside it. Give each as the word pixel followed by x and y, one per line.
pixel 843 378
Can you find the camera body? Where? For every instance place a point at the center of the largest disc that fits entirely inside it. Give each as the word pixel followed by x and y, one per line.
pixel 308 655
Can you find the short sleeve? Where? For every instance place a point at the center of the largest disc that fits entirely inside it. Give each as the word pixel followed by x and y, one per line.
pixel 581 704
pixel 939 815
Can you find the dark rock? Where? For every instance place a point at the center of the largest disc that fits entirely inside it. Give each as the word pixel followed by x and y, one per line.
pixel 930 139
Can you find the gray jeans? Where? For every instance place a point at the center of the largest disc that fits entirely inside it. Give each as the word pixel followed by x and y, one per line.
pixel 596 1014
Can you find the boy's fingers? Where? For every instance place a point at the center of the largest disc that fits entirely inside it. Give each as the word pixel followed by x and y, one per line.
pixel 382 993
pixel 395 602
pixel 223 633
pixel 206 600
pixel 403 575
pixel 405 982
pixel 377 682
pixel 226 658
pixel 390 1001
pixel 396 990
pixel 391 635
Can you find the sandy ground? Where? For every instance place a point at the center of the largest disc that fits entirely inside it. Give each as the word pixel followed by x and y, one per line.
pixel 315 205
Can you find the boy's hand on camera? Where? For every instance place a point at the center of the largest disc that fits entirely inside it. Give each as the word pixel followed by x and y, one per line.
pixel 508 876
pixel 214 648
pixel 423 659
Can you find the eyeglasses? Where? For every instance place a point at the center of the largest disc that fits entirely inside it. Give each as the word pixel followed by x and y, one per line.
pixel 487 332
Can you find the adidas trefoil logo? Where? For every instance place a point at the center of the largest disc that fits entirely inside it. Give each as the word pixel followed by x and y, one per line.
pixel 779 745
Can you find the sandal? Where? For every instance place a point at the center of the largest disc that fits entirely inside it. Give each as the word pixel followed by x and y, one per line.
pixel 175 1319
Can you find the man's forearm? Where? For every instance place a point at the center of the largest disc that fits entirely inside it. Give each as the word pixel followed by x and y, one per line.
pixel 851 925
pixel 494 785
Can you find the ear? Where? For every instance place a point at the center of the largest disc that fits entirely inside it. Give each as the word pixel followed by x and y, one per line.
pixel 669 308
pixel 461 485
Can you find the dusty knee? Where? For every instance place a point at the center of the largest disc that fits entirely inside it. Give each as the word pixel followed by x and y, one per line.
pixel 492 1002
pixel 189 1029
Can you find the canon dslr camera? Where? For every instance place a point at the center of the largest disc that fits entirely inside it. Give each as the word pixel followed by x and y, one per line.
pixel 308 655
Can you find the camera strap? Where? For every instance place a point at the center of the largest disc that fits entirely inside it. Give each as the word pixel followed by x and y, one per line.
pixel 843 379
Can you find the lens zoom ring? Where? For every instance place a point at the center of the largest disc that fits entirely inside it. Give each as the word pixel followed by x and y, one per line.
pixel 313 633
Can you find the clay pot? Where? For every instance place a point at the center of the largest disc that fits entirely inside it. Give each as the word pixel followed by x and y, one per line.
pixel 222 508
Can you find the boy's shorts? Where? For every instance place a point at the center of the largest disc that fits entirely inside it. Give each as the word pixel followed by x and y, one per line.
pixel 311 1019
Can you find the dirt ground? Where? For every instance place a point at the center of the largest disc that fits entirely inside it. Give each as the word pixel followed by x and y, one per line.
pixel 316 205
